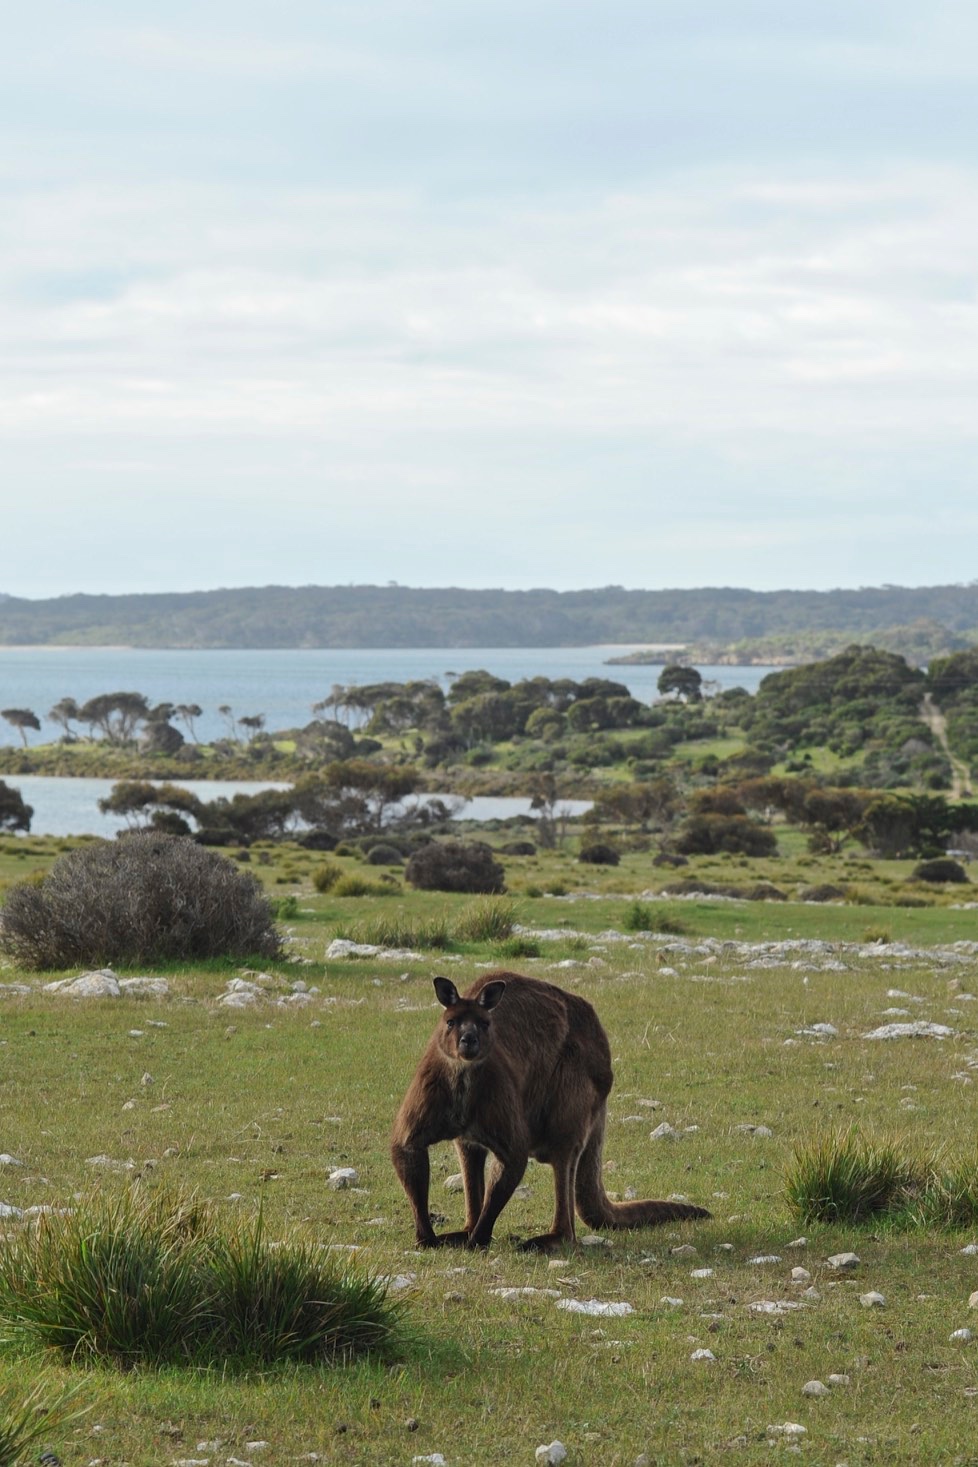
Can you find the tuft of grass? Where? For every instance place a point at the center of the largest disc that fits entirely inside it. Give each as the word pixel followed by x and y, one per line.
pixel 285 908
pixel 639 917
pixel 520 947
pixel 326 875
pixel 353 885
pixel 25 1421
pixel 398 930
pixel 139 1281
pixel 844 1178
pixel 488 919
pixel 948 1197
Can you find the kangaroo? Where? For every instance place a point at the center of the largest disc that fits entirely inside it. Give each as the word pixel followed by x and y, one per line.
pixel 518 1068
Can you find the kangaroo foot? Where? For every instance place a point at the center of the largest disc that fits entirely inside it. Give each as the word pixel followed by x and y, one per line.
pixel 545 1243
pixel 445 1240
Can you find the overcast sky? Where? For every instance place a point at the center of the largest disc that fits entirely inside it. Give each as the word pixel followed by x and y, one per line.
pixel 488 293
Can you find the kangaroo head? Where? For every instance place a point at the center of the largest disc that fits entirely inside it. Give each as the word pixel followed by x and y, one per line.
pixel 465 1031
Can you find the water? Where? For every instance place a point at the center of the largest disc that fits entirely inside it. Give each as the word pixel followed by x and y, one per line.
pixel 70 806
pixel 281 684
pixel 284 684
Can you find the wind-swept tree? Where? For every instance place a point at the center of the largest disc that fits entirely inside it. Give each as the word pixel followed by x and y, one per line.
pixel 21 719
pixel 14 813
pixel 64 714
pixel 116 715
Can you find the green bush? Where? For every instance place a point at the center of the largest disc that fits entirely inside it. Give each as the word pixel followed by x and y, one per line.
pixel 148 898
pixel 141 1281
pixel 455 865
pixel 384 855
pixel 599 853
pixel 941 868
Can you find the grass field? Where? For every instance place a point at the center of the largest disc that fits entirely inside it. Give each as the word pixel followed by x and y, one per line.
pixel 257 1105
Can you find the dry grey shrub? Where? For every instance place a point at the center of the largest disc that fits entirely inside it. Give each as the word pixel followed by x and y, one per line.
pixel 145 898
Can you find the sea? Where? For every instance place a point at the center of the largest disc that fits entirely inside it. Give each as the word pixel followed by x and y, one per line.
pixel 280 684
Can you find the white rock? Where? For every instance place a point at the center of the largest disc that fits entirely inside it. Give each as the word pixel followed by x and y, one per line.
pixel 554 1453
pixel 701 1273
pixel 98 984
pixel 343 1176
pixel 516 1291
pixel 706 1356
pixel 594 1240
pixel 455 1183
pixel 800 1276
pixel 664 1132
pixel 109 1164
pixel 973 1300
pixel 669 1301
pixel 685 1250
pixel 144 987
pixel 7 1160
pixel 797 1243
pixel 147 1079
pixel 838 1380
pixel 7 1209
pixel 397 1281
pixel 843 1260
pixel 962 1336
pixel 872 1300
pixel 970 1249
pixel 597 1307
pixel 435 1458
pixel 815 1388
pixel 763 1258
pixel 789 1429
pixel 919 1029
pixel 774 1306
pixel 260 1446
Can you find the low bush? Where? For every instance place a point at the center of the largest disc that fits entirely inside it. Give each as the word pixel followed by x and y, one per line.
pixel 822 892
pixel 140 1281
pixel 149 898
pixel 598 853
pixel 325 877
pixel 384 855
pixel 455 865
pixel 940 868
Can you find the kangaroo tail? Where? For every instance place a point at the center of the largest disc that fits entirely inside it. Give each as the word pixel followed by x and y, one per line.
pixel 596 1208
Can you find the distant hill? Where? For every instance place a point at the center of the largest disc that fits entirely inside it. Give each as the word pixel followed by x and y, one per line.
pixel 401 616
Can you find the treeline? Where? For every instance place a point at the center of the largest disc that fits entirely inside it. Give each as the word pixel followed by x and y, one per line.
pixel 402 616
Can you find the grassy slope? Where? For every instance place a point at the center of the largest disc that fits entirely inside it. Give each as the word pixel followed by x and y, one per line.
pixel 263 1102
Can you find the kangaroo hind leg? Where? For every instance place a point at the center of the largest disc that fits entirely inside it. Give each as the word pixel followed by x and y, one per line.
pixel 562 1229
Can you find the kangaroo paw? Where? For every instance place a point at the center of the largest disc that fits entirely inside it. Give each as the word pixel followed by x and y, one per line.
pixel 545 1243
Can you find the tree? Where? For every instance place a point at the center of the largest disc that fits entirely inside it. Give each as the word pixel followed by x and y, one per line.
pixel 254 723
pixel 21 719
pixel 65 713
pixel 117 715
pixel 681 682
pixel 14 813
pixel 187 713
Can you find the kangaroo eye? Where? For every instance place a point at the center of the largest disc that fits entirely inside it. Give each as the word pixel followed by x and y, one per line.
pixel 450 1023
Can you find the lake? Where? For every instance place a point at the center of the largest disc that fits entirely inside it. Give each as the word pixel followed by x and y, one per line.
pixel 281 684
pixel 70 806
pixel 284 684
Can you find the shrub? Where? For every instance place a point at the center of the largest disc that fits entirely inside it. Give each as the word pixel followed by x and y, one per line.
pixel 823 892
pixel 285 908
pixel 520 947
pixel 149 898
pixel 941 868
pixel 455 865
pixel 488 920
pixel 142 1281
pixel 325 877
pixel 518 848
pixel 708 835
pixel 765 891
pixel 399 930
pixel 845 1179
pixel 599 854
pixel 384 855
pixel 667 858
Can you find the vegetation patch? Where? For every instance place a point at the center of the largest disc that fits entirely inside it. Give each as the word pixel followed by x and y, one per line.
pixel 142 1281
pixel 848 1178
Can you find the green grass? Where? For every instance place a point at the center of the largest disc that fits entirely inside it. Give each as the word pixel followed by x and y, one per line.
pixel 260 1104
pixel 34 1420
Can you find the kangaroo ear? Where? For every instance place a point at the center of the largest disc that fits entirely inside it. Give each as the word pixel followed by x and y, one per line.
pixel 492 993
pixel 446 991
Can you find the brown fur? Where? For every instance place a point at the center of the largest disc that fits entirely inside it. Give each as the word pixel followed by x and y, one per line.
pixel 516 1068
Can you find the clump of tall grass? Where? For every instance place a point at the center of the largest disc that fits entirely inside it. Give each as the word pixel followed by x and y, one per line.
pixel 489 919
pixel 644 917
pixel 142 1281
pixel 520 947
pixel 27 1420
pixel 396 929
pixel 846 1179
pixel 352 885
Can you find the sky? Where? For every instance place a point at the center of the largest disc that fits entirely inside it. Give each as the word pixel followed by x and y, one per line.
pixel 515 293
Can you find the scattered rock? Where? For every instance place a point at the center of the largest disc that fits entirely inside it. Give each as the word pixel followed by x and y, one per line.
pixel 763 1258
pixel 749 1130
pixel 872 1300
pixel 838 1380
pixel 685 1250
pixel 668 1301
pixel 455 1183
pixel 919 1029
pixel 707 1357
pixel 800 1276
pixel 554 1453
pixel 701 1273
pixel 962 1336
pixel 101 983
pixel 343 1176
pixel 340 947
pixel 7 1160
pixel 665 1132
pixel 515 1291
pixel 843 1260
pixel 973 1300
pixel 7 1209
pixel 774 1306
pixel 791 1430
pixel 597 1307
pixel 815 1388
